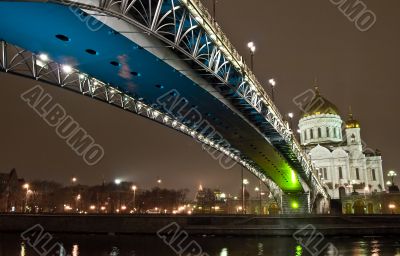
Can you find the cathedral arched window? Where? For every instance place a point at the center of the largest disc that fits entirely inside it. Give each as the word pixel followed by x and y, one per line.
pixel 305 135
pixel 319 133
pixel 335 132
pixel 373 175
pixel 340 173
pixel 353 138
pixel 357 173
pixel 327 132
pixel 311 134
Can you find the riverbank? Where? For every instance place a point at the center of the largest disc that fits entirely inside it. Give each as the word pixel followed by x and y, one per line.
pixel 232 225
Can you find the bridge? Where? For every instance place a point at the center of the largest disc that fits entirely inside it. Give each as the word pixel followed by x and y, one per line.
pixel 169 61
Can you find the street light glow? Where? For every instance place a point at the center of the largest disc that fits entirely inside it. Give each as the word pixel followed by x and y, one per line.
pixel 291 115
pixel 272 82
pixel 117 181
pixel 134 187
pixel 245 181
pixel 250 45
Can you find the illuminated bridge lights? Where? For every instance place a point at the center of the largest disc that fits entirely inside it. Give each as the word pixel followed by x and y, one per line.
pixel 250 90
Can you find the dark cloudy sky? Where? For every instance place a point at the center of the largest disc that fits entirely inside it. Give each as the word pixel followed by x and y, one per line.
pixel 296 41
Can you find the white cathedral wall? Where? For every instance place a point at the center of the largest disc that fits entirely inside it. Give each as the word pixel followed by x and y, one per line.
pixel 324 121
pixel 322 158
pixel 375 163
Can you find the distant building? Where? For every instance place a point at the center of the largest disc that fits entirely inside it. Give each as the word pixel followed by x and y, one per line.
pixel 336 149
pixel 11 194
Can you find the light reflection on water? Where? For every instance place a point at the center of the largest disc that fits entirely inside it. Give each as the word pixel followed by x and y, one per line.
pixel 96 245
pixel 75 250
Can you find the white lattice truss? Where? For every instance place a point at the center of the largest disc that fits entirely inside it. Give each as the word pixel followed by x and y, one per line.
pixel 15 60
pixel 186 26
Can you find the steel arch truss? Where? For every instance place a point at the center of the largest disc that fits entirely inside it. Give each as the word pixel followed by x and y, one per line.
pixel 187 27
pixel 18 61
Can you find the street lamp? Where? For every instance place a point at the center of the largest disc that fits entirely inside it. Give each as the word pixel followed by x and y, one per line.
pixel 392 174
pixel 291 115
pixel 272 83
pixel 244 182
pixel 252 48
pixel 214 9
pixel 78 202
pixel 392 207
pixel 134 188
pixel 258 189
pixel 74 180
pixel 118 182
pixel 28 191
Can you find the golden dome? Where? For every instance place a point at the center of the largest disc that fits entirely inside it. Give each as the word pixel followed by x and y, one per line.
pixel 351 122
pixel 320 105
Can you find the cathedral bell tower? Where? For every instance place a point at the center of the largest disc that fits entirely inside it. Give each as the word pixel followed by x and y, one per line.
pixel 353 133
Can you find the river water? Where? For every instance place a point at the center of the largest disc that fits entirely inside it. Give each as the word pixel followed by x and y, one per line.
pixel 135 245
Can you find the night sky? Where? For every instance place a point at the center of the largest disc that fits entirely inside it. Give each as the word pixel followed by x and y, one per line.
pixel 296 42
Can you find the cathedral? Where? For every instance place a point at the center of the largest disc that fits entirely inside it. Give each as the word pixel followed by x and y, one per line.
pixel 336 149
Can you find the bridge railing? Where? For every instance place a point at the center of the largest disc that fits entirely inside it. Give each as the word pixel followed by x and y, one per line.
pixel 220 38
pixel 202 15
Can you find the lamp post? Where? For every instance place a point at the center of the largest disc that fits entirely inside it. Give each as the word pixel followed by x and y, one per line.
pixel 214 5
pixel 134 187
pixel 78 202
pixel 158 199
pixel 291 115
pixel 392 174
pixel 258 190
pixel 245 183
pixel 241 183
pixel 272 83
pixel 26 186
pixel 252 48
pixel 118 182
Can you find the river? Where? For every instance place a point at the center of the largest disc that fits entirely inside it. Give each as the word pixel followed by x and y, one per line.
pixel 137 245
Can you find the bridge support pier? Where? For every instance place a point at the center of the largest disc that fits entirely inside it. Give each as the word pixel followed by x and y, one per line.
pixel 296 203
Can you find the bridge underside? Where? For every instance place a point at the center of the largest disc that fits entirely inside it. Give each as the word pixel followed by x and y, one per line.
pixel 132 68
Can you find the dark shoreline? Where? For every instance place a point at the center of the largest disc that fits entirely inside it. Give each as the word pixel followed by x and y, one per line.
pixel 220 225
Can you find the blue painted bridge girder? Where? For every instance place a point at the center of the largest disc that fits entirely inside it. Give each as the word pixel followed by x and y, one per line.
pixel 146 48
